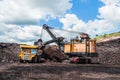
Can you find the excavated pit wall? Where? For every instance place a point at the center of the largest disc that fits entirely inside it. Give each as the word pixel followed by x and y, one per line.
pixel 9 52
pixel 109 51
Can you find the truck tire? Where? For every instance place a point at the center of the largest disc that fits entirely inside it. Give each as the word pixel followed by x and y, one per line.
pixel 21 61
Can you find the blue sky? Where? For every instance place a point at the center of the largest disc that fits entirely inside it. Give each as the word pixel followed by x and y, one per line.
pixel 83 9
pixel 86 9
pixel 21 20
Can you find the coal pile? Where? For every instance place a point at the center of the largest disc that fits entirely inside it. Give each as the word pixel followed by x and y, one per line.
pixel 109 52
pixel 9 52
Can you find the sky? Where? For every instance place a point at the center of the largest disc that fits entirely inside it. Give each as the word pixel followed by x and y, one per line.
pixel 21 20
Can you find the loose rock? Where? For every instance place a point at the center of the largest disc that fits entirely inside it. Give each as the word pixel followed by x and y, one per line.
pixel 9 52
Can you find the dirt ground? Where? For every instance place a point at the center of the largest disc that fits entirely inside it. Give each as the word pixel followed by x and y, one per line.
pixel 58 71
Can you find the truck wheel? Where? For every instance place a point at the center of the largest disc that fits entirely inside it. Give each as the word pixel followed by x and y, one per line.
pixel 34 59
pixel 21 61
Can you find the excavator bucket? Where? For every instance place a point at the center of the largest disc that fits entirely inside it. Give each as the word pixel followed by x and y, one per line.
pixel 52 52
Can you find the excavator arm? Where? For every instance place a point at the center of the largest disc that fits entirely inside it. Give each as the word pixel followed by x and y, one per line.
pixel 57 40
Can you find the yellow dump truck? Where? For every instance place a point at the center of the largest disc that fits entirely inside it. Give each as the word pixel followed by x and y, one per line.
pixel 27 52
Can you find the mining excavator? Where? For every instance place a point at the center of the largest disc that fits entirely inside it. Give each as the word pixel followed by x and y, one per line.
pixel 78 50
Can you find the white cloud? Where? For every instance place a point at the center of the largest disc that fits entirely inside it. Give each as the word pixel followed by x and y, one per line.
pixel 109 20
pixel 71 20
pixel 19 19
pixel 99 27
pixel 22 34
pixel 30 11
pixel 14 33
pixel 111 11
pixel 73 23
pixel 111 2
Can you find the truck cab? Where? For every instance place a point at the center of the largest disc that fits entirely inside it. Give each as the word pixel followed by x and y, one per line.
pixel 27 52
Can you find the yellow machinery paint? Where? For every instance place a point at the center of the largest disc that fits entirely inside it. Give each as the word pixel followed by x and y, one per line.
pixel 27 52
